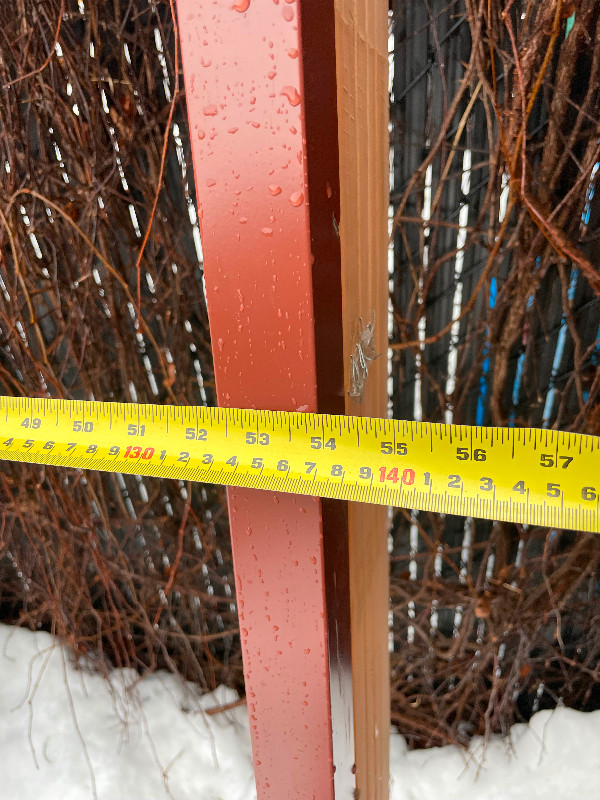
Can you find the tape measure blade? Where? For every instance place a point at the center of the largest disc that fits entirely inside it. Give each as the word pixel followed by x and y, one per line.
pixel 538 477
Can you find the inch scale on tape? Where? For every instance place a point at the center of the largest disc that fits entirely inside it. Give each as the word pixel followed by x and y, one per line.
pixel 539 477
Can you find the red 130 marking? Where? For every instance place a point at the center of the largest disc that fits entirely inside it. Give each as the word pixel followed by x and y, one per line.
pixel 136 452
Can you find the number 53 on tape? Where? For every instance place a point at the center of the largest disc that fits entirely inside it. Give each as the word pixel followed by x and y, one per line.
pixel 526 475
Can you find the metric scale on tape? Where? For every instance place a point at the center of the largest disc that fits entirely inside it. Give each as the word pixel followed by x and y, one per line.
pixel 539 477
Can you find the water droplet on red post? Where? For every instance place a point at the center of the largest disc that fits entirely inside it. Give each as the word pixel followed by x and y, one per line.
pixel 243 220
pixel 211 182
pixel 292 95
pixel 210 111
pixel 297 198
pixel 241 6
pixel 275 190
pixel 267 231
pixel 292 52
pixel 288 13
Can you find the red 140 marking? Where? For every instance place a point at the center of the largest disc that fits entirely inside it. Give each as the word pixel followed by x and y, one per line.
pixel 408 476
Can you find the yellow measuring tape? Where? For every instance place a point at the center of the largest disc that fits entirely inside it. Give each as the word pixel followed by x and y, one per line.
pixel 526 475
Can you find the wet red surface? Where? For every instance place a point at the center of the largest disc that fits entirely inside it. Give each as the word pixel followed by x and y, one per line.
pixel 244 88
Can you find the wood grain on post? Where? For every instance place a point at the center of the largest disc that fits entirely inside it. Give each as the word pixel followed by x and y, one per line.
pixel 362 75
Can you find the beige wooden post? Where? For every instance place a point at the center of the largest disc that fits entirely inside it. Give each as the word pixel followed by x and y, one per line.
pixel 362 78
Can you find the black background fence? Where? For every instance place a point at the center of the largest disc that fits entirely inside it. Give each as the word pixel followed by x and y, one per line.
pixel 494 137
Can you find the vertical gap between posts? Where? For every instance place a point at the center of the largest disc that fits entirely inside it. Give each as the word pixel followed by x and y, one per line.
pixel 322 149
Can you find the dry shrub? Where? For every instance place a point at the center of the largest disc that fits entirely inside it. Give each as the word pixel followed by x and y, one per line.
pixel 94 155
pixel 491 621
pixel 496 138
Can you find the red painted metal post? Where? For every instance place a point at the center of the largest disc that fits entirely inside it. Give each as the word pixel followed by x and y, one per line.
pixel 261 94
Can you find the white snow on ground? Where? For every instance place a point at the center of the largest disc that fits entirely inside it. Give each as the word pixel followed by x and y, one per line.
pixel 555 757
pixel 66 733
